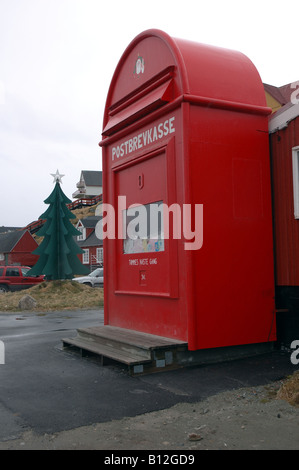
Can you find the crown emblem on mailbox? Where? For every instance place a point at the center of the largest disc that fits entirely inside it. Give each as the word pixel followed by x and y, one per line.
pixel 139 65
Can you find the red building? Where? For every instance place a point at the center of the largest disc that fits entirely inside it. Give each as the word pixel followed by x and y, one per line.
pixel 88 241
pixel 284 154
pixel 16 248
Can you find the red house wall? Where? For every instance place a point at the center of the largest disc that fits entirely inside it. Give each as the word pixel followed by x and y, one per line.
pixel 25 244
pixel 92 254
pixel 286 227
pixel 21 258
pixel 22 252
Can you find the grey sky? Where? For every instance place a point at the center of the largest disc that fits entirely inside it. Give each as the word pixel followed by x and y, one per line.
pixel 57 58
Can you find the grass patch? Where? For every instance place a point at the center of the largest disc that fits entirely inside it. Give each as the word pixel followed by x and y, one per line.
pixel 55 295
pixel 289 390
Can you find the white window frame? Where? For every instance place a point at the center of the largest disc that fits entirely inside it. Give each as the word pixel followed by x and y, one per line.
pixel 99 255
pixel 85 256
pixel 81 229
pixel 295 160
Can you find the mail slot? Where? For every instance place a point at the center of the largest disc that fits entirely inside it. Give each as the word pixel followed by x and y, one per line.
pixel 188 253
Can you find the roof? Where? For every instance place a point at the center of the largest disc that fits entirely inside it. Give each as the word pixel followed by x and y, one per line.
pixel 9 240
pixel 289 107
pixel 92 178
pixel 282 94
pixel 288 89
pixel 92 240
pixel 276 93
pixel 283 116
pixel 90 222
pixel 8 229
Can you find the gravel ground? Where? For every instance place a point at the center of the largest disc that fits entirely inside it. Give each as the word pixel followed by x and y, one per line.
pixel 242 419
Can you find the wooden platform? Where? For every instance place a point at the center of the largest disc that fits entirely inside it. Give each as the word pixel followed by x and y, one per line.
pixel 139 352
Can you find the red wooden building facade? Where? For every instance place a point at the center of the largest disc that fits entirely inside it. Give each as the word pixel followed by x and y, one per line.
pixel 284 155
pixel 16 248
pixel 90 244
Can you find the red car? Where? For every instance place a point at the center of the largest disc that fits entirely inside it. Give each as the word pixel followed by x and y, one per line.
pixel 13 278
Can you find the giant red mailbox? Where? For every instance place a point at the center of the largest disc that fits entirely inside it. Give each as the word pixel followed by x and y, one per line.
pixel 188 250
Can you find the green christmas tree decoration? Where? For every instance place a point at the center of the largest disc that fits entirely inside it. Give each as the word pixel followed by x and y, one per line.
pixel 58 252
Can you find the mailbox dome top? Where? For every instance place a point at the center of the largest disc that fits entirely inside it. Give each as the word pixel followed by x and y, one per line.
pixel 156 69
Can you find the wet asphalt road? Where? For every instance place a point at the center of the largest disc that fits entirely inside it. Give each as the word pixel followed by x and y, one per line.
pixel 47 389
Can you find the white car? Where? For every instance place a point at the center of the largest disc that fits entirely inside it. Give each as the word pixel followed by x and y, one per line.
pixel 94 279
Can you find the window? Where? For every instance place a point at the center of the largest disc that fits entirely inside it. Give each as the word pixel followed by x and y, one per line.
pixel 143 228
pixel 83 232
pixel 12 272
pixel 100 255
pixel 1 271
pixel 85 257
pixel 295 152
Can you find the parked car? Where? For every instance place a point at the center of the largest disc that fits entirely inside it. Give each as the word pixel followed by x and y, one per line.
pixel 94 279
pixel 13 278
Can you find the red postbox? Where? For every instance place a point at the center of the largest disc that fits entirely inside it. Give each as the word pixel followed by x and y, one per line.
pixel 185 136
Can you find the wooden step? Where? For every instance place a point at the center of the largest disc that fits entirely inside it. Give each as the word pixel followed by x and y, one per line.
pixel 139 351
pixel 102 350
pixel 113 340
pixel 130 341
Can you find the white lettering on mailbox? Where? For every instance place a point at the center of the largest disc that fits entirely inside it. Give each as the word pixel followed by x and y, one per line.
pixel 143 139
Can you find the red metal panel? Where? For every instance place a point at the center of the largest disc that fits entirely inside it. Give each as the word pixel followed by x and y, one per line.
pixel 233 271
pixel 139 283
pixel 286 227
pixel 219 74
pixel 139 107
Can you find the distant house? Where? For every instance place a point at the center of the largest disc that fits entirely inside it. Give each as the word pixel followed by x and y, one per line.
pixel 277 97
pixel 8 229
pixel 90 244
pixel 16 248
pixel 90 184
